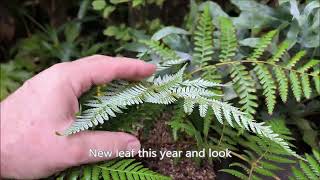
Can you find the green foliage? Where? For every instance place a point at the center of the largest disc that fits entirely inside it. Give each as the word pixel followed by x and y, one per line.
pixel 298 21
pixel 309 169
pixel 124 31
pixel 115 169
pixel 203 39
pixel 166 88
pixel 261 158
pixel 243 82
pixel 13 74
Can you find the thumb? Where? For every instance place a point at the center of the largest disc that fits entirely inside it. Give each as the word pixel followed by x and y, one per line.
pixel 94 146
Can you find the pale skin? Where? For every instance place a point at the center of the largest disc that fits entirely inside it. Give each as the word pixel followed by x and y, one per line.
pixel 47 103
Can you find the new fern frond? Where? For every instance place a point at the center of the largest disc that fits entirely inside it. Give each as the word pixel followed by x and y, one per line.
pixel 167 90
pixel 125 169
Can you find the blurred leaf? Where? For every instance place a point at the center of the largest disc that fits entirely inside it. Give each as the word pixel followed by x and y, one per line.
pixel 215 10
pixel 309 135
pixel 251 42
pixel 167 31
pixel 253 6
pixel 98 4
pixel 316 22
pixel 135 47
pixel 71 32
pixel 283 1
pixel 11 77
pixel 107 11
pixel 110 31
pixel 311 40
pixel 136 3
pixel 118 1
pixel 294 10
pixel 292 35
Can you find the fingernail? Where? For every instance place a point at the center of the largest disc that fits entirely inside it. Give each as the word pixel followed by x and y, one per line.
pixel 134 146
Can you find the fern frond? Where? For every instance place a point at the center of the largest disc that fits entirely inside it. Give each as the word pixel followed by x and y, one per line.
pixel 309 169
pixel 228 40
pixel 261 158
pixel 166 90
pixel 235 173
pixel 121 169
pixel 127 169
pixel 203 39
pixel 159 49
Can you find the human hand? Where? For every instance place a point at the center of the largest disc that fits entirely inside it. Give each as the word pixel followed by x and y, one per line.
pixel 47 103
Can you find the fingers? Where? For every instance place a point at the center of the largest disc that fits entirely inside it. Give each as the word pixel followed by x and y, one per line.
pixel 95 146
pixel 100 69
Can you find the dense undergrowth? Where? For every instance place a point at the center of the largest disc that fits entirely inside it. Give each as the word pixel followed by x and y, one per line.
pixel 242 76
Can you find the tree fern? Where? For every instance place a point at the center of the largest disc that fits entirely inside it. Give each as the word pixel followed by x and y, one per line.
pixel 124 169
pixel 203 39
pixel 309 169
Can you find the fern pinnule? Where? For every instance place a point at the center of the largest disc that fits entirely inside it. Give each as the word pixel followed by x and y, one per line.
pixel 283 83
pixel 295 85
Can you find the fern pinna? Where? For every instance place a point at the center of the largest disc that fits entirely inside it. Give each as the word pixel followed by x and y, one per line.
pixel 124 169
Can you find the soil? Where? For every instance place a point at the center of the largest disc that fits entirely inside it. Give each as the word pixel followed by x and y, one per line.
pixel 183 168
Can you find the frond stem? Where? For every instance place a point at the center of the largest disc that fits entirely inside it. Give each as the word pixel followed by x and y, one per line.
pixel 252 61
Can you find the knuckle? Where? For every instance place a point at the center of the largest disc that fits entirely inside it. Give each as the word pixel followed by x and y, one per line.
pixel 60 67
